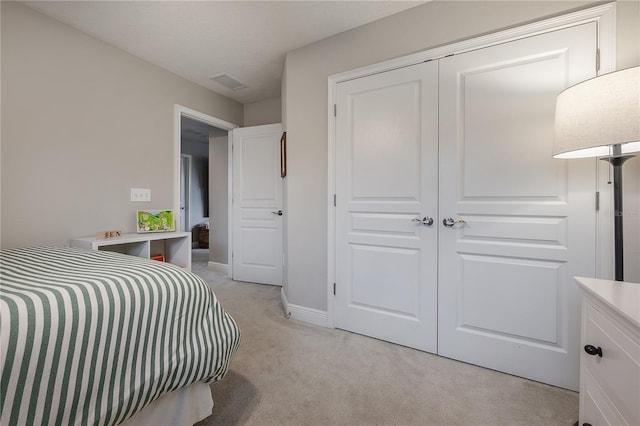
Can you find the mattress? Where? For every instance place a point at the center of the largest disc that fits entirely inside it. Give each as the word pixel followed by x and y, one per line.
pixel 92 337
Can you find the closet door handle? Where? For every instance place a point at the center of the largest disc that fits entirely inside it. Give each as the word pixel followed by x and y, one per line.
pixel 426 221
pixel 278 213
pixel 450 222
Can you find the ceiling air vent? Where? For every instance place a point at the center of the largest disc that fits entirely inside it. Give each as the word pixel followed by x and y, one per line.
pixel 228 82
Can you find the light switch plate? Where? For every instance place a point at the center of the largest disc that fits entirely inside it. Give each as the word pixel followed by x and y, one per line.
pixel 140 194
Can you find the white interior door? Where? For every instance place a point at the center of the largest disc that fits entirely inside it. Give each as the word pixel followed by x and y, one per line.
pixel 257 205
pixel 387 179
pixel 506 295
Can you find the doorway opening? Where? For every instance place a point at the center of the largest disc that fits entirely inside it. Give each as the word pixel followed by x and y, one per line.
pixel 202 185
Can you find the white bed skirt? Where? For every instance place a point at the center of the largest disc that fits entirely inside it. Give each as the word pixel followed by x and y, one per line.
pixel 184 406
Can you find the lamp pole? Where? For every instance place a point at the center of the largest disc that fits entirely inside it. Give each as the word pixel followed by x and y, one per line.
pixel 616 161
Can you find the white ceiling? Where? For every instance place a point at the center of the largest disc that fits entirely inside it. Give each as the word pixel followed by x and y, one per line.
pixel 200 39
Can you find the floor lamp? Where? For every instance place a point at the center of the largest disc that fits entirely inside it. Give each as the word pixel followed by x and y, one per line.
pixel 600 117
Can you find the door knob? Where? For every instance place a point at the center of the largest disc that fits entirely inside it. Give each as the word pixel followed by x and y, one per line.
pixel 450 222
pixel 426 221
pixel 279 213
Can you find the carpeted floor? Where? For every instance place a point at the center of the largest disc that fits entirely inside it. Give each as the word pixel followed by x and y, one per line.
pixel 290 373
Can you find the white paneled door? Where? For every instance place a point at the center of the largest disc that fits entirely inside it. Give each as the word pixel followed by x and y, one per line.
pixel 257 205
pixel 467 140
pixel 506 293
pixel 387 181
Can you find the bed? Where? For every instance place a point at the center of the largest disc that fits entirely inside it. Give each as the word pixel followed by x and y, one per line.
pixel 95 337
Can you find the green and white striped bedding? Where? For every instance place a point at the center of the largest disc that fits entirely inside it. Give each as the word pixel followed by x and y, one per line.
pixel 91 337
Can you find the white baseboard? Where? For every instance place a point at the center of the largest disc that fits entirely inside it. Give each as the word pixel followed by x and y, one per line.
pixel 304 314
pixel 220 267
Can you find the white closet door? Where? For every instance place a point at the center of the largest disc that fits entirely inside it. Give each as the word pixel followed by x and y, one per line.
pixel 506 296
pixel 387 176
pixel 257 204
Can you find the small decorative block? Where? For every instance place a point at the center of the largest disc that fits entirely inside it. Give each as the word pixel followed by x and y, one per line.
pixel 108 234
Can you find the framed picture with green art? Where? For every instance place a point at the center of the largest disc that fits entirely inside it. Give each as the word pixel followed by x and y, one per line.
pixel 155 221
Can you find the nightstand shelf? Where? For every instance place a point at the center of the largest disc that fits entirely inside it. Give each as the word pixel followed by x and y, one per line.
pixel 175 247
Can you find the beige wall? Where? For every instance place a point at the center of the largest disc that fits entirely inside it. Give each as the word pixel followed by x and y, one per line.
pixel 0 129
pixel 82 123
pixel 305 96
pixel 268 111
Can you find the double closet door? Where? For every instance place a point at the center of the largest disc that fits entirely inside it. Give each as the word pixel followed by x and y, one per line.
pixel 457 233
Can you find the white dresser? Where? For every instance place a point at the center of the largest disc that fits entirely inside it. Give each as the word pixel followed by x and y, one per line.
pixel 610 353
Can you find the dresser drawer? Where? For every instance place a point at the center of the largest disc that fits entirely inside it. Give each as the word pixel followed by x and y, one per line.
pixel 618 370
pixel 596 408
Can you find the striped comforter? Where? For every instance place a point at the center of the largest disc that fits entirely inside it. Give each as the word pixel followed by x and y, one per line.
pixel 91 337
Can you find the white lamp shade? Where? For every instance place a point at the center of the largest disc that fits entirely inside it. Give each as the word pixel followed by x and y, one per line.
pixel 597 113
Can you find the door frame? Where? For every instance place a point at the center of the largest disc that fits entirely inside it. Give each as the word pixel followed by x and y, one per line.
pixel 605 18
pixel 187 197
pixel 180 111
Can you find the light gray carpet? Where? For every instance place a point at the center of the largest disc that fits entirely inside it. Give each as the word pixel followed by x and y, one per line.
pixel 290 373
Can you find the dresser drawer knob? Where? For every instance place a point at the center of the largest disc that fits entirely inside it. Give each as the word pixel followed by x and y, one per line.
pixel 593 350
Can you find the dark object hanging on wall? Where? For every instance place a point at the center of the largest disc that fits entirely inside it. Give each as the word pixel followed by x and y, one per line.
pixel 283 155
